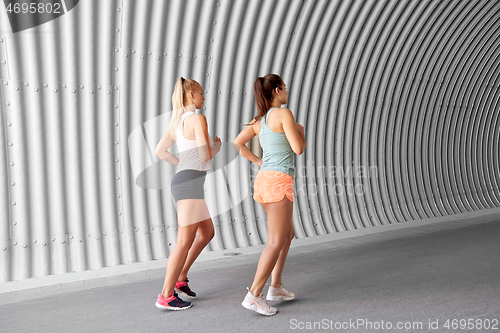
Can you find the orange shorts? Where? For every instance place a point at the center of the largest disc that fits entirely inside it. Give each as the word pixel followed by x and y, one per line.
pixel 272 186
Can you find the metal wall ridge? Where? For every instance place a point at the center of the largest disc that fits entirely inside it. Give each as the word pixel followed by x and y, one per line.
pixel 399 100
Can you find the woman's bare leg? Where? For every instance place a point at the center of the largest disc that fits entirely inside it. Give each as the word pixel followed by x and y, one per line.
pixel 205 234
pixel 279 219
pixel 280 264
pixel 190 214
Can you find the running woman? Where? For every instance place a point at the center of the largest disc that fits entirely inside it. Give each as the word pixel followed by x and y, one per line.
pixel 196 149
pixel 280 137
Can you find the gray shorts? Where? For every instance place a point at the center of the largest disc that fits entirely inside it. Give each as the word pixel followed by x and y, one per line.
pixel 188 184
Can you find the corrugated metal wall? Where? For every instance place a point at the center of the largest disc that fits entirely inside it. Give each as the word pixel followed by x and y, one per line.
pixel 399 100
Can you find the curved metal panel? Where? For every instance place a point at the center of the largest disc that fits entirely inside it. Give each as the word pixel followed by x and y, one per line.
pixel 399 100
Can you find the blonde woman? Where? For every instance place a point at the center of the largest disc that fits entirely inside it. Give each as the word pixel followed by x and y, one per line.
pixel 280 138
pixel 196 149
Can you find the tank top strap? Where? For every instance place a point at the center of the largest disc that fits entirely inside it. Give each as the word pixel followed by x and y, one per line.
pixel 264 123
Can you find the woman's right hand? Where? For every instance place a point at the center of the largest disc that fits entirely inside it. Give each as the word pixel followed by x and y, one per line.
pixel 300 128
pixel 217 143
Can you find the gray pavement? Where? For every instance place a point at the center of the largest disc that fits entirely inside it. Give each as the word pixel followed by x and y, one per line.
pixel 417 276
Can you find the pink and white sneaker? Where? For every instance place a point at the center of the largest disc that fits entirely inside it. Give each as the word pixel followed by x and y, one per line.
pixel 279 294
pixel 258 304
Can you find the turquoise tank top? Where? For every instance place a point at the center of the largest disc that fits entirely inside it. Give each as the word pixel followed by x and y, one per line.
pixel 277 154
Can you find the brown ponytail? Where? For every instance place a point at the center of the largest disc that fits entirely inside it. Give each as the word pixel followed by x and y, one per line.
pixel 263 90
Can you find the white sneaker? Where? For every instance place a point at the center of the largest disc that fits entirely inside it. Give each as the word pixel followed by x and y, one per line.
pixel 258 304
pixel 279 294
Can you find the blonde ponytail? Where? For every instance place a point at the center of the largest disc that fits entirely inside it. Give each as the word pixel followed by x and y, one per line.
pixel 182 86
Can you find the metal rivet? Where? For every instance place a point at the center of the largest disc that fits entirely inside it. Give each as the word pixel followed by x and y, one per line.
pixel 169 244
pixel 5 82
pixel 165 54
pixel 72 237
pixel 116 142
pixel 34 241
pixel 82 86
pixel 116 87
pixel 99 87
pixel 116 50
pixel 120 214
pixel 145 232
pixel 105 234
pixel 218 4
pixel 116 124
pixel 14 223
pixel 1 40
pixel 26 84
pixel 10 144
pixel 16 88
pixel 15 243
pixel 12 183
pixel 63 242
pixel 133 51
pixel 9 124
pixel 117 160
pixel 116 106
pixel 11 163
pixel 25 246
pixel 4 62
pixel 180 55
pixel 117 30
pixel 109 92
pixel 74 91
pixel 117 178
pixel 203 61
pixel 206 75
pixel 173 59
pixel 189 60
pixel 256 216
pixel 45 85
pixel 211 39
pixel 91 91
pixel 97 238
pixel 244 93
pixel 194 56
pixel 118 9
pixel 142 57
pixel 55 90
pixel 5 249
pixel 64 86
pixel 215 22
pixel 44 244
pixel 157 58
pixel 53 239
pixel 80 240
pixel 119 196
pixel 7 103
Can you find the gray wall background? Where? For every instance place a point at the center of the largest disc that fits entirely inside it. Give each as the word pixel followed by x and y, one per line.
pixel 399 100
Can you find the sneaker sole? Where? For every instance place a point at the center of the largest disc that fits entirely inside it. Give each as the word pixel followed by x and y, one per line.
pixel 279 298
pixel 252 307
pixel 164 307
pixel 183 293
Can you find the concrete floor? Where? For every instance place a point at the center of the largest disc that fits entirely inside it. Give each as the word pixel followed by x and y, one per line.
pixel 423 275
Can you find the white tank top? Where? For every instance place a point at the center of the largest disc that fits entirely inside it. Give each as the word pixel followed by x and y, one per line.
pixel 189 156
